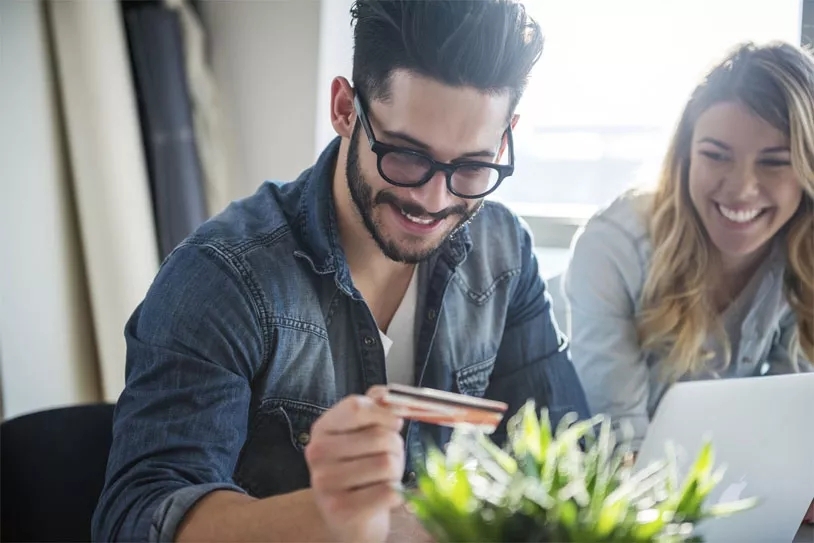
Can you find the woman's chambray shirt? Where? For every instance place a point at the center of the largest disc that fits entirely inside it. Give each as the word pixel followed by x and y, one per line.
pixel 603 285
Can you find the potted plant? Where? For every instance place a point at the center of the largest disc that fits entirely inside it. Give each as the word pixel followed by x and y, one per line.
pixel 573 484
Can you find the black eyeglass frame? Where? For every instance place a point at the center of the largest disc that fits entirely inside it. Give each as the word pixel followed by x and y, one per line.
pixel 382 149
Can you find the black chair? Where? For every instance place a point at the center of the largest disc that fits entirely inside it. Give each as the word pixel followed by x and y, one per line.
pixel 52 469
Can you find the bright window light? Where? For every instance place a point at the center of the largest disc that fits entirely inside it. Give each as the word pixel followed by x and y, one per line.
pixel 602 102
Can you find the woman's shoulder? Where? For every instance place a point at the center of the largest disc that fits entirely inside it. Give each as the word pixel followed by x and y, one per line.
pixel 614 238
pixel 627 213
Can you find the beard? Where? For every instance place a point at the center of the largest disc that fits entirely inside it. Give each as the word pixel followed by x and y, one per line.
pixel 364 201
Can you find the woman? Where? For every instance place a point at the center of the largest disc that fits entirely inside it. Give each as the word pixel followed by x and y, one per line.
pixel 712 274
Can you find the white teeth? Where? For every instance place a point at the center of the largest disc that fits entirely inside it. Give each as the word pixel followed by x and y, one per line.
pixel 417 220
pixel 739 216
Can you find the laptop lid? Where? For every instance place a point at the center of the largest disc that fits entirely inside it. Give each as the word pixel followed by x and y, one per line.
pixel 762 429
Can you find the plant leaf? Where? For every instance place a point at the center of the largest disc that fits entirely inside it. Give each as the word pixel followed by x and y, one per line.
pixel 609 517
pixel 569 485
pixel 529 442
pixel 730 508
pixel 545 432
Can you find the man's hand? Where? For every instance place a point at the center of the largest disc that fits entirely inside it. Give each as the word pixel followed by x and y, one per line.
pixel 406 527
pixel 356 460
pixel 809 516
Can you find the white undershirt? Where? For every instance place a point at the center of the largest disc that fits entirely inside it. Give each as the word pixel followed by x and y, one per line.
pixel 399 340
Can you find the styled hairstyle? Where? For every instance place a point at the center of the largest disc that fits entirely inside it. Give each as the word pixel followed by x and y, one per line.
pixel 490 45
pixel 776 82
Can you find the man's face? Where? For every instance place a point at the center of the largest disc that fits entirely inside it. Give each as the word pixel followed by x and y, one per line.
pixel 448 124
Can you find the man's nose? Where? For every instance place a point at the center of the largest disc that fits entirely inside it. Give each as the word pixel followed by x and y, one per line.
pixel 434 195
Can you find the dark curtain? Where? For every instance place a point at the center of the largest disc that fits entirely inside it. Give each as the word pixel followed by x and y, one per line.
pixel 176 181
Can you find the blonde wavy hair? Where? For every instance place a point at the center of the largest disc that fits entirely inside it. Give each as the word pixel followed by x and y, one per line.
pixel 775 81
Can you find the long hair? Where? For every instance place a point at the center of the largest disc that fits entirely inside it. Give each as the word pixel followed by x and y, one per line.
pixel 776 82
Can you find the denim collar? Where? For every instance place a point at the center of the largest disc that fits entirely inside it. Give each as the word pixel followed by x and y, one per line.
pixel 318 231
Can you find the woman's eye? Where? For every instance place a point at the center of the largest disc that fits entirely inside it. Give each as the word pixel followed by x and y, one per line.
pixel 714 155
pixel 774 163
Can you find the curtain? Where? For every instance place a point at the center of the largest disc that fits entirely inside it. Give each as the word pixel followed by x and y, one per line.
pixel 110 183
pixel 113 150
pixel 157 54
pixel 211 132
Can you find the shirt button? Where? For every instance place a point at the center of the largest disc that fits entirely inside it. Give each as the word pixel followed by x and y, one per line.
pixel 431 314
pixel 304 438
pixel 369 341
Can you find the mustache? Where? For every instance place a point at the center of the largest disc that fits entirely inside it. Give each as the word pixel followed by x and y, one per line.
pixel 416 210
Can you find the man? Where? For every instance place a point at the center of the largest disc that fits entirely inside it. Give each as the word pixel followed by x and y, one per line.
pixel 256 357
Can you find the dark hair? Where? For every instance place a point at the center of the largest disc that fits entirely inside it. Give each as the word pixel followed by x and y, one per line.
pixel 490 45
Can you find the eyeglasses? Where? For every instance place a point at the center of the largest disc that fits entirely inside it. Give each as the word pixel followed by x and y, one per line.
pixel 408 168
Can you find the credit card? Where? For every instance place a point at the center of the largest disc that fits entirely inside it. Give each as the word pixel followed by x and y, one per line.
pixel 444 408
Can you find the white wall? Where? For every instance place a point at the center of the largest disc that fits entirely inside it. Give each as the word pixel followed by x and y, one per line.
pixel 265 57
pixel 48 357
pixel 335 58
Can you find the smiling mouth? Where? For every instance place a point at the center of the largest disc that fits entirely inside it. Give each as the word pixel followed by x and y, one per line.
pixel 741 216
pixel 424 221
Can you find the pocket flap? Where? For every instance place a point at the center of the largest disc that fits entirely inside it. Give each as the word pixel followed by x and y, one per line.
pixel 473 380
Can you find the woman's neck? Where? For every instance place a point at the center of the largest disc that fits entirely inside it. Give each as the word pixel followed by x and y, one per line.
pixel 734 274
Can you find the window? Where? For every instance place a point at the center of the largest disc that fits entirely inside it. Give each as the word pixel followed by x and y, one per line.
pixel 807 37
pixel 603 99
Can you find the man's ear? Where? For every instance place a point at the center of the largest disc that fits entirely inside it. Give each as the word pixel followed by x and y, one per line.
pixel 505 141
pixel 343 114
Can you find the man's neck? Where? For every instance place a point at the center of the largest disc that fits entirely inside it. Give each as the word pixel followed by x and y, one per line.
pixel 381 281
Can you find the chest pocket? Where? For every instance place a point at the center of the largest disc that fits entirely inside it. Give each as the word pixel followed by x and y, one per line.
pixel 473 380
pixel 273 460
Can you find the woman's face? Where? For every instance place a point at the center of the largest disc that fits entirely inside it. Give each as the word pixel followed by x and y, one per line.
pixel 741 180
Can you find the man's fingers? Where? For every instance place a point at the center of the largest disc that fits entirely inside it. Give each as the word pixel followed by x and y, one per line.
pixel 365 442
pixel 357 504
pixel 354 413
pixel 376 392
pixel 358 473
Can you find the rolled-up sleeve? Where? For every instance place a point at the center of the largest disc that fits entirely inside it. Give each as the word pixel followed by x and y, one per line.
pixel 172 510
pixel 601 283
pixel 193 346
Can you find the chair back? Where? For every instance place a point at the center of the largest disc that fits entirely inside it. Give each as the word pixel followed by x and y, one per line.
pixel 52 470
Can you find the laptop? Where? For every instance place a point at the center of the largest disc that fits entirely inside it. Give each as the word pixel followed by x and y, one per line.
pixel 762 429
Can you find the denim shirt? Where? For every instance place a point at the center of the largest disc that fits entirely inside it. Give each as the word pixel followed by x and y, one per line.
pixel 603 285
pixel 253 328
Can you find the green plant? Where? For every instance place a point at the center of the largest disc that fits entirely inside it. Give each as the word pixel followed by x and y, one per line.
pixel 570 485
